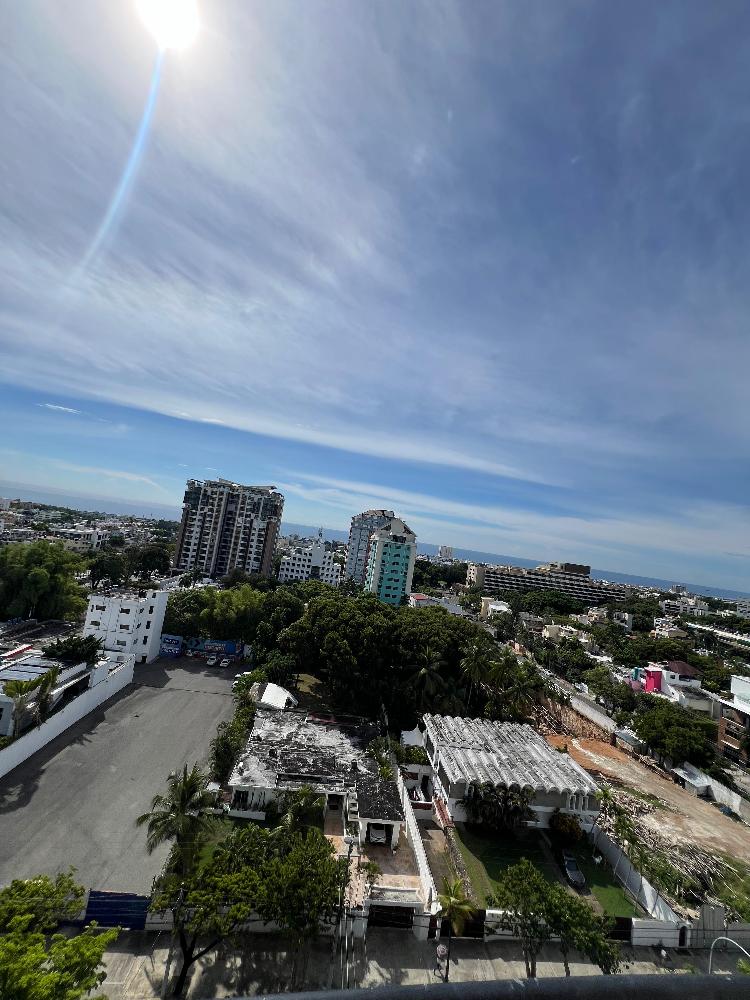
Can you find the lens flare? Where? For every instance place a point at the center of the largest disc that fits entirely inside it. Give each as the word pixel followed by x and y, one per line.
pixel 173 23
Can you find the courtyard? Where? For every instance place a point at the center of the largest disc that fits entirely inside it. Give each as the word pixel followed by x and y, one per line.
pixel 75 802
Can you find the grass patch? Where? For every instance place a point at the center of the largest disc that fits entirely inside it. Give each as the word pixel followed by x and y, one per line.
pixel 604 887
pixel 734 891
pixel 487 855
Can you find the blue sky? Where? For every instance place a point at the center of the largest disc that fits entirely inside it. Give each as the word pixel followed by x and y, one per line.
pixel 486 263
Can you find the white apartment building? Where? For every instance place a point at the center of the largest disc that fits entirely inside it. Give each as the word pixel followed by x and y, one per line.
pixel 310 562
pixel 742 608
pixel 447 603
pixel 81 538
pixel 228 526
pixel 4 503
pixel 390 561
pixel 127 622
pixel 362 527
pixel 682 605
pixel 667 628
pixel 445 552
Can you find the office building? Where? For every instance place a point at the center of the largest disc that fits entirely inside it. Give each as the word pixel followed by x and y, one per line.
pixel 311 562
pixel 445 552
pixel 362 527
pixel 569 578
pixel 128 622
pixel 390 561
pixel 227 526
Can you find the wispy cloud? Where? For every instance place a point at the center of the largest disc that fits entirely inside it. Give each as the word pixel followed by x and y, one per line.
pixel 57 408
pixel 96 470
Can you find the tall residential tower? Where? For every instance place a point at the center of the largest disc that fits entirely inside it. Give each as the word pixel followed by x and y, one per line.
pixel 390 561
pixel 227 526
pixel 361 528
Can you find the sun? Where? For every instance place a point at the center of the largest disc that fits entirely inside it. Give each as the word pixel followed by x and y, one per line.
pixel 173 23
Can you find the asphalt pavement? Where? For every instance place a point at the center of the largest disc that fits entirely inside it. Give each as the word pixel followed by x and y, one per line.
pixel 75 802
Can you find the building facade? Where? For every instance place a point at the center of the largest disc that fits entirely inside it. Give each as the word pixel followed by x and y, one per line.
pixel 361 529
pixel 445 552
pixel 569 578
pixel 742 609
pixel 390 562
pixel 228 526
pixel 734 722
pixel 685 606
pixel 310 562
pixel 128 623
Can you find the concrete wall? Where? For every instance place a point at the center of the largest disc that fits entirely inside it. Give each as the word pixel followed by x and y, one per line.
pixel 414 837
pixel 640 888
pixel 28 744
pixel 652 933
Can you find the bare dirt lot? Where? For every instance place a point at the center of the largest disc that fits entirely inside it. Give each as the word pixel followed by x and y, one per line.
pixel 683 817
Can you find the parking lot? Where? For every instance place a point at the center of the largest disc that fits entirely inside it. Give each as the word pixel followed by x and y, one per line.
pixel 75 802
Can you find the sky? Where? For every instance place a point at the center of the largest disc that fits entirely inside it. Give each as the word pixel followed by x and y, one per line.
pixel 482 262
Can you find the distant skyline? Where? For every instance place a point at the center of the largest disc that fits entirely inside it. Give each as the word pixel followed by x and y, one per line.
pixel 484 263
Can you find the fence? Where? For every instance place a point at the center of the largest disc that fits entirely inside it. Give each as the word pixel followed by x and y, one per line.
pixel 413 834
pixel 639 888
pixel 90 699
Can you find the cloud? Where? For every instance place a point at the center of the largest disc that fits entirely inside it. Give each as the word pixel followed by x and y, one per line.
pixel 58 409
pixel 95 470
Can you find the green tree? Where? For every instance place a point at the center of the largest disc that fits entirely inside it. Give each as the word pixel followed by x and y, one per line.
pixel 497 806
pixel 44 899
pixel 427 679
pixel 572 920
pixel 21 693
pixel 521 897
pixel 44 694
pixel 300 811
pixel 35 966
pixel 108 565
pixel 514 688
pixel 676 732
pixel 38 580
pixel 75 649
pixel 474 666
pixel 180 816
pixel 457 909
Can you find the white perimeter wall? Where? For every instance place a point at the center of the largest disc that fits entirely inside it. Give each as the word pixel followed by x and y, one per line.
pixel 642 890
pixel 33 740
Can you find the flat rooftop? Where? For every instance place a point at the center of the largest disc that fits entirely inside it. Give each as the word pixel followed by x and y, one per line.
pixel 503 753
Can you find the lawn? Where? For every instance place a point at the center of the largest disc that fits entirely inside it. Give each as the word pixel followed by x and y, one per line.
pixel 488 855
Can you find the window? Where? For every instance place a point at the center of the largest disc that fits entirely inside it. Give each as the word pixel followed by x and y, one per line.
pixel 148 625
pixel 151 610
pixel 124 628
pixel 95 624
pixel 124 611
pixel 121 642
pixel 145 639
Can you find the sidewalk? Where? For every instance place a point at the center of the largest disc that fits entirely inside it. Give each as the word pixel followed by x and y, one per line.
pixel 135 965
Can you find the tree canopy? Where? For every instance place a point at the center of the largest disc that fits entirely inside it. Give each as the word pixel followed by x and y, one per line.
pixel 37 580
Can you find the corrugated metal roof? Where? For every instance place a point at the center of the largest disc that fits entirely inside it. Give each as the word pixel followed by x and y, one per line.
pixel 503 753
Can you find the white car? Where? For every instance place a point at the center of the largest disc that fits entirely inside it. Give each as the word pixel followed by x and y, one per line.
pixel 211 661
pixel 225 662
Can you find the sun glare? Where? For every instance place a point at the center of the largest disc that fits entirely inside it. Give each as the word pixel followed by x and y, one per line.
pixel 173 23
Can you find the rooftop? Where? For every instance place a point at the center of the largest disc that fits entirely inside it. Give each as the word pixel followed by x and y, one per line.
pixel 504 753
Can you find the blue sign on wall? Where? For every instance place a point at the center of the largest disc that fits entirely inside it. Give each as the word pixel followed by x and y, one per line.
pixel 173 645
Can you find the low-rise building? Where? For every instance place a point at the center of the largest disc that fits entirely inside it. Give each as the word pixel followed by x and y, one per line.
pixel 447 603
pixel 678 681
pixel 81 538
pixel 468 753
pixel 491 606
pixel 288 750
pixel 128 622
pixel 667 628
pixel 682 605
pixel 742 608
pixel 310 562
pixel 734 722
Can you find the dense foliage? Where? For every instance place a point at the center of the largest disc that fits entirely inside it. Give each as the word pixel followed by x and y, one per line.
pixel 37 580
pixel 35 965
pixel 432 576
pixel 370 658
pixel 675 732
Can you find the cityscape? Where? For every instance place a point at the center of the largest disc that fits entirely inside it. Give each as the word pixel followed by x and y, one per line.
pixel 374 524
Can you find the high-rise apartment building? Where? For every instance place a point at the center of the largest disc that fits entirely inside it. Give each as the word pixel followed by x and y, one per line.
pixel 390 561
pixel 361 528
pixel 227 526
pixel 312 562
pixel 572 579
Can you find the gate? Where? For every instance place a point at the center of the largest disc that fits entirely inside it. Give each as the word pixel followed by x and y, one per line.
pixel 117 909
pixel 622 929
pixel 390 916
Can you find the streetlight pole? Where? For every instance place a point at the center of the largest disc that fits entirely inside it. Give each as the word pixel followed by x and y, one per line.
pixel 731 941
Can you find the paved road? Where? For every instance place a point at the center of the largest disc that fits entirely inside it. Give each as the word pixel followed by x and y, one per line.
pixel 75 802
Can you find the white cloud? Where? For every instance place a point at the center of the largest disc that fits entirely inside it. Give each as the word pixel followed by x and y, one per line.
pixel 58 409
pixel 95 470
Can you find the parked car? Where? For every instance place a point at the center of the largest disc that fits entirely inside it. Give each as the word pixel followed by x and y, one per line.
pixel 377 833
pixel 573 873
pixel 225 662
pixel 212 660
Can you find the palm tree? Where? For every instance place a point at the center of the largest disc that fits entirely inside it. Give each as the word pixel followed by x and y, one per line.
pixel 44 698
pixel 20 692
pixel 457 908
pixel 427 679
pixel 180 816
pixel 473 667
pixel 498 806
pixel 300 810
pixel 607 807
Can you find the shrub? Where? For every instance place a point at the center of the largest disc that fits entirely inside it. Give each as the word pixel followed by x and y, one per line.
pixel 565 828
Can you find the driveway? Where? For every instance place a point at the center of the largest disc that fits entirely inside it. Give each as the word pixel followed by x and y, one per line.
pixel 75 802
